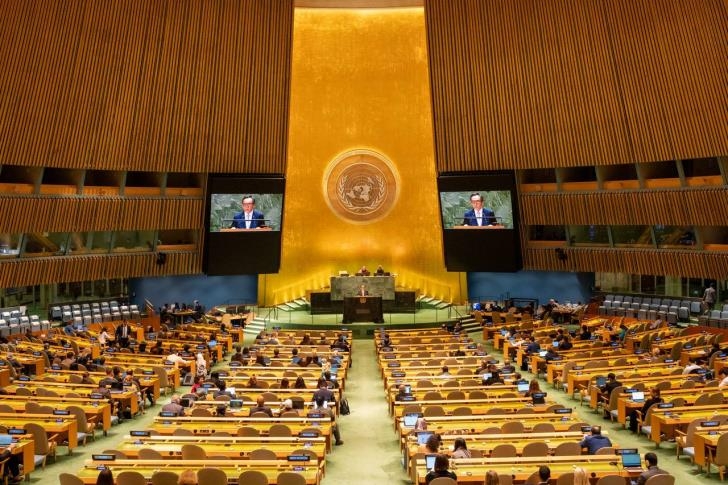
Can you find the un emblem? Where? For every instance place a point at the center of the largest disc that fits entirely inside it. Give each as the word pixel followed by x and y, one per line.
pixel 361 186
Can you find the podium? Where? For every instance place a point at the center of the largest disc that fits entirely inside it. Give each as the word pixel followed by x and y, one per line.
pixel 363 309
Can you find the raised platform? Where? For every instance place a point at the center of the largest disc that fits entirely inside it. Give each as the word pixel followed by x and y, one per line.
pixel 418 319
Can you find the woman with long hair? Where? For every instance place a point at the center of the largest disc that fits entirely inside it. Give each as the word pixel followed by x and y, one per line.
pixel 460 449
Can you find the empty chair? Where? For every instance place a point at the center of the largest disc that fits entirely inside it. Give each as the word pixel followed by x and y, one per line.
pixel 462 411
pixel 43 447
pixel 248 431
pixel 661 480
pixel 607 450
pixel 543 428
pixel 183 432
pixel 568 449
pixel 164 478
pixel 150 454
pixel 535 448
pixel 252 477
pixel 455 395
pixel 504 450
pixel 512 427
pixel 611 480
pixel 68 479
pixel 86 427
pixel 279 430
pixel 130 478
pixel 263 454
pixel 443 481
pixel 433 396
pixel 290 478
pixel 193 452
pixel 211 476
pixel 434 411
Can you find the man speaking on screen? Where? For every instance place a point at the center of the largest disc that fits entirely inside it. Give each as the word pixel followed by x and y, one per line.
pixel 249 218
pixel 478 216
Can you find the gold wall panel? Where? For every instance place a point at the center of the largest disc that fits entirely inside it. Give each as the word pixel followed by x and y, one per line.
pixel 360 81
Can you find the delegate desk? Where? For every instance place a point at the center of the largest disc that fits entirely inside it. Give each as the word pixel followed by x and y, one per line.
pixel 705 441
pixel 202 426
pixel 231 447
pixel 4 376
pixel 125 398
pixel 681 416
pixel 232 469
pixel 363 309
pixel 64 426
pixel 478 424
pixel 26 449
pixel 93 408
pixel 625 404
pixel 472 470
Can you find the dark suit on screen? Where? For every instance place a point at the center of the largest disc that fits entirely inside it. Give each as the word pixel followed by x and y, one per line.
pixel 488 218
pixel 257 220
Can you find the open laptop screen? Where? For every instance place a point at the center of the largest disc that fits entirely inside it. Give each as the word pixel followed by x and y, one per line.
pixel 422 437
pixel 638 396
pixel 430 462
pixel 410 420
pixel 631 460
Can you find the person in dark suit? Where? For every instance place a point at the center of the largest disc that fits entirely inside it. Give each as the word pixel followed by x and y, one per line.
pixel 363 271
pixel 123 333
pixel 250 217
pixel 595 441
pixel 652 469
pixel 362 291
pixel 380 271
pixel 654 399
pixel 478 215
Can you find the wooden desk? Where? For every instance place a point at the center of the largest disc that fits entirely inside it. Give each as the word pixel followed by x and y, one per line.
pixel 232 447
pixel 91 407
pixel 65 426
pixel 25 449
pixel 478 424
pixel 472 470
pixel 271 468
pixel 705 440
pixel 681 416
pixel 4 376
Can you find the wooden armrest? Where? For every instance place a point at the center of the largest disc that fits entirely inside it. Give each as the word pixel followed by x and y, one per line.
pixel 680 433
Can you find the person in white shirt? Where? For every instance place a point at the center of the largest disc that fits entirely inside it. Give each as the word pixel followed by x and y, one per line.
pixel 693 366
pixel 724 378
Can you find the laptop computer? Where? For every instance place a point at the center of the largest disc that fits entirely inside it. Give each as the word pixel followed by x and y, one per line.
pixel 522 386
pixel 555 344
pixel 638 396
pixel 423 436
pixel 410 420
pixel 539 397
pixel 601 381
pixel 430 462
pixel 542 353
pixel 632 462
pixel 5 440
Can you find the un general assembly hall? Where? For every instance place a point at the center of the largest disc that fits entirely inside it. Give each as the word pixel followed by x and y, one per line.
pixel 514 211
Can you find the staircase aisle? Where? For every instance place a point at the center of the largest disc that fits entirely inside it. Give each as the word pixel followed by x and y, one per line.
pixel 370 453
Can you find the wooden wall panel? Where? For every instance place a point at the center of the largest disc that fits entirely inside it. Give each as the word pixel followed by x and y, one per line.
pixel 94 267
pixel 699 207
pixel 80 214
pixel 160 85
pixel 528 84
pixel 697 264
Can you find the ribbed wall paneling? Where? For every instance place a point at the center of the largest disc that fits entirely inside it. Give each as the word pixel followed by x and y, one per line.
pixel 699 207
pixel 671 57
pixel 80 214
pixel 94 267
pixel 695 264
pixel 159 85
pixel 524 84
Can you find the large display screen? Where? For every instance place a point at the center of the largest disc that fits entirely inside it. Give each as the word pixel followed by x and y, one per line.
pixel 480 222
pixel 244 217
